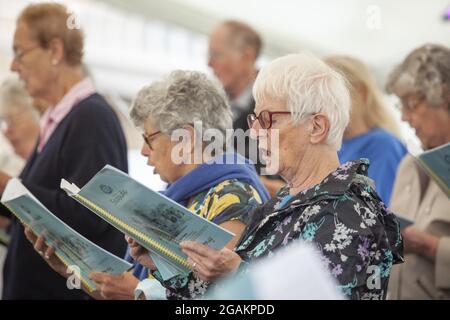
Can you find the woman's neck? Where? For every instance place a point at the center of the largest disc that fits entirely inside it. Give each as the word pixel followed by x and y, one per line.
pixel 66 79
pixel 312 169
pixel 356 127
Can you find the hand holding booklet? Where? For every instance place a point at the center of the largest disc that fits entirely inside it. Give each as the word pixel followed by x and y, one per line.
pixel 155 221
pixel 436 163
pixel 71 247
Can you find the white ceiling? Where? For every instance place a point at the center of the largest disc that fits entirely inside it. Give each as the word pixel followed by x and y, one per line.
pixel 119 54
pixel 322 26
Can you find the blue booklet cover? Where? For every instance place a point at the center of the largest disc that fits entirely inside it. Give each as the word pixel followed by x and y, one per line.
pixel 436 163
pixel 155 221
pixel 404 222
pixel 70 246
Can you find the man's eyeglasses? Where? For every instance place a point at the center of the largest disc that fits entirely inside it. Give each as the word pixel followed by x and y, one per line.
pixel 264 118
pixel 148 138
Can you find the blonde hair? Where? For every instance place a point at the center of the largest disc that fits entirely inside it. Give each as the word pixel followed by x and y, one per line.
pixel 375 112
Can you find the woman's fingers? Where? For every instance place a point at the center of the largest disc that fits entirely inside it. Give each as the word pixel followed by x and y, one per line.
pixel 97 277
pixel 29 234
pixel 49 253
pixel 191 247
pixel 40 246
pixel 200 270
pixel 195 258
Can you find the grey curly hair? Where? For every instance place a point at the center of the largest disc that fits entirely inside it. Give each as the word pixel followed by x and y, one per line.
pixel 184 97
pixel 425 71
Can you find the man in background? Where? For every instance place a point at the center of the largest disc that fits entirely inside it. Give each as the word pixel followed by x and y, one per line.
pixel 234 48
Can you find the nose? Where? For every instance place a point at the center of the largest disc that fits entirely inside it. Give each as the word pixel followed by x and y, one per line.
pixel 145 150
pixel 14 67
pixel 255 130
pixel 406 116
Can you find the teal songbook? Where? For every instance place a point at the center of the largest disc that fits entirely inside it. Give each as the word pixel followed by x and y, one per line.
pixel 436 163
pixel 404 222
pixel 155 221
pixel 72 248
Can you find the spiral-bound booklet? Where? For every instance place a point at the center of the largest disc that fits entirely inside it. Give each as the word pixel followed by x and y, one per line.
pixel 155 221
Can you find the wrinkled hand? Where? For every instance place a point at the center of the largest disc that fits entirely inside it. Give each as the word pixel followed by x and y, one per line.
pixel 115 287
pixel 420 242
pixel 210 264
pixel 46 252
pixel 140 254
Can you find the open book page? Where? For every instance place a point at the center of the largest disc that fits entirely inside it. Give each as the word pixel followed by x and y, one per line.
pixel 146 215
pixel 72 248
pixel 436 163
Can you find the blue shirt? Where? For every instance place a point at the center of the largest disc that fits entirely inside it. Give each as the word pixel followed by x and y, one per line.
pixel 384 152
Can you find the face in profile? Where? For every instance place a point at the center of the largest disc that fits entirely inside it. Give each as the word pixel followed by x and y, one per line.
pixel 158 151
pixel 431 124
pixel 31 62
pixel 226 61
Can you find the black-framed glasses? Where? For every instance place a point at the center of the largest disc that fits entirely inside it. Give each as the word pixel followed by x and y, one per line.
pixel 19 54
pixel 148 138
pixel 264 118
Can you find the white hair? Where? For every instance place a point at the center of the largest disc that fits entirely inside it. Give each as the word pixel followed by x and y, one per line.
pixel 14 97
pixel 307 85
pixel 183 98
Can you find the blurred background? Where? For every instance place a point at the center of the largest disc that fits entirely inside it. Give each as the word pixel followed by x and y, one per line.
pixel 129 43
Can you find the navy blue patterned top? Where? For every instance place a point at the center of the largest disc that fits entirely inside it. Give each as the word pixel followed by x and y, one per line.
pixel 358 237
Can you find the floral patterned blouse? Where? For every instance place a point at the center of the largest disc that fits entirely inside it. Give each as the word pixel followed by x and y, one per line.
pixel 229 200
pixel 358 237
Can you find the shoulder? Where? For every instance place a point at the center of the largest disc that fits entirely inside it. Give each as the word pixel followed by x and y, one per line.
pixel 93 114
pixel 93 106
pixel 234 191
pixel 384 139
pixel 228 200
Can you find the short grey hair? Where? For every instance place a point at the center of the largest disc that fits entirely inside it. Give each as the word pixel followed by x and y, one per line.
pixel 307 85
pixel 184 97
pixel 425 71
pixel 14 97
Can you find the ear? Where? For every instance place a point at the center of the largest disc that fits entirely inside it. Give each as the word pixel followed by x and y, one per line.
pixel 56 48
pixel 192 139
pixel 248 54
pixel 319 128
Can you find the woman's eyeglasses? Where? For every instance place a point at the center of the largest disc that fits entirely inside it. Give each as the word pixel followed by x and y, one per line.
pixel 264 118
pixel 19 54
pixel 148 138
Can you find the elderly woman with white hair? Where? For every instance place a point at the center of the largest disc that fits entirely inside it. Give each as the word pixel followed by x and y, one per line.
pixel 335 207
pixel 422 82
